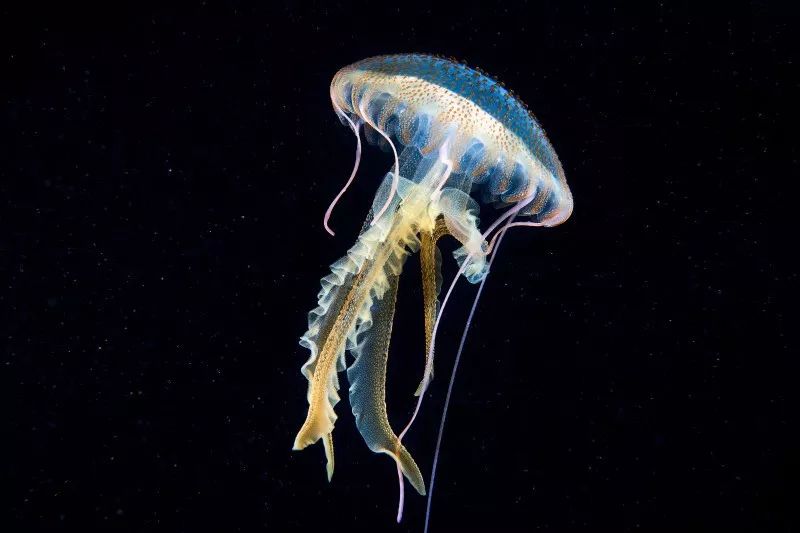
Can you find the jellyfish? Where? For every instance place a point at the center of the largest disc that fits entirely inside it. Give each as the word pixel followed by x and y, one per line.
pixel 458 138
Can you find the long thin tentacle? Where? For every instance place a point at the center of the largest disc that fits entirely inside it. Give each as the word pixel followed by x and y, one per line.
pixel 426 378
pixel 395 176
pixel 453 379
pixel 507 216
pixel 506 228
pixel 424 385
pixel 355 127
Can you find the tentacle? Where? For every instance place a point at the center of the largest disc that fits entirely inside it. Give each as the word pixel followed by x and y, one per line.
pixel 355 127
pixel 506 228
pixel 428 366
pixel 396 177
pixel 367 376
pixel 453 379
pixel 508 214
pixel 431 266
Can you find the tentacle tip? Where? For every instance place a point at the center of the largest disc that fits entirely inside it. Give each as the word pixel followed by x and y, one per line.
pixel 301 440
pixel 419 486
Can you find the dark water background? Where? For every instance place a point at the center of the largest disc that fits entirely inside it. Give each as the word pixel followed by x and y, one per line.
pixel 163 176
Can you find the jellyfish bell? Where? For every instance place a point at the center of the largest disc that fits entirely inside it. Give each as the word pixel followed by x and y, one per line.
pixel 493 140
pixel 458 139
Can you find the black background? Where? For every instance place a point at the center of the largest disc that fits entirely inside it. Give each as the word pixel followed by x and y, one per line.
pixel 164 172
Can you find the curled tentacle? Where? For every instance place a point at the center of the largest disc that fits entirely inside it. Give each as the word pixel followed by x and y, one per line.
pixel 355 126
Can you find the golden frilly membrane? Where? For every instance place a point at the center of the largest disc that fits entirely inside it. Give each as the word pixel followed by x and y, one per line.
pixel 455 135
